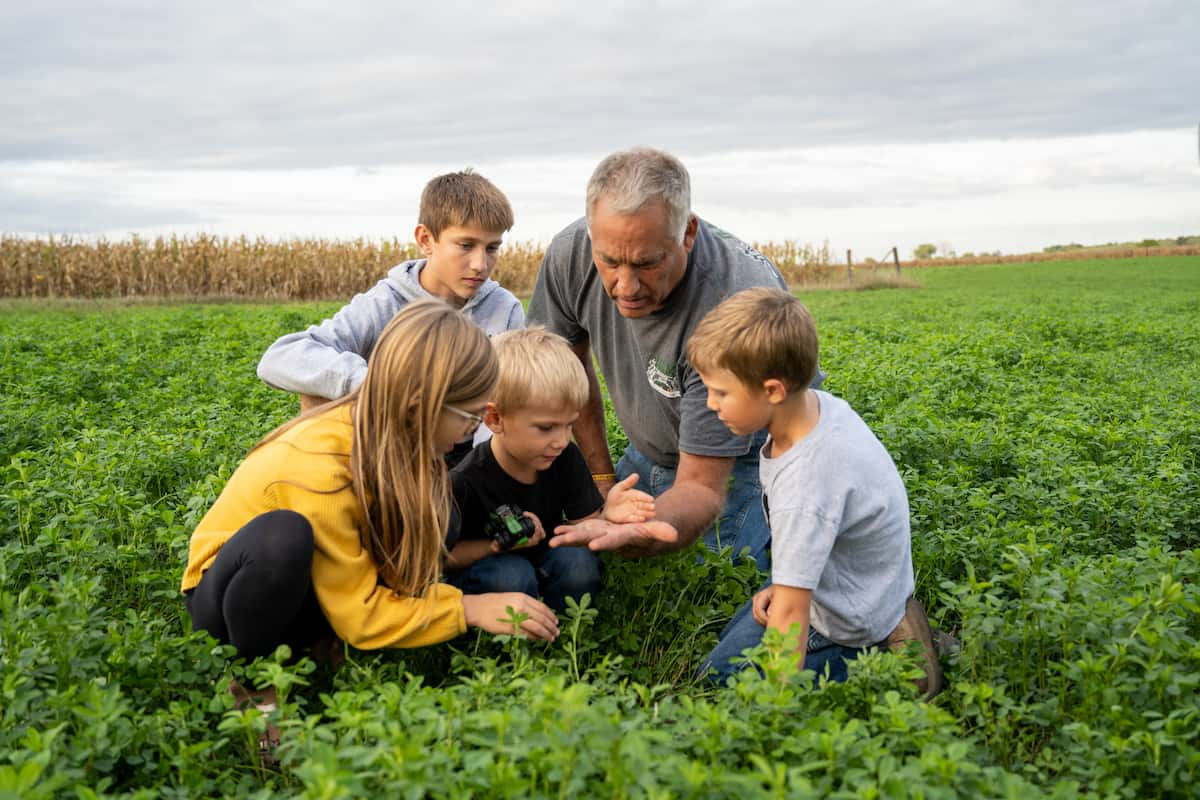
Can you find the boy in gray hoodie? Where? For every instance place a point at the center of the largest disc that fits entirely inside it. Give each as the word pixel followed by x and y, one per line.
pixel 462 222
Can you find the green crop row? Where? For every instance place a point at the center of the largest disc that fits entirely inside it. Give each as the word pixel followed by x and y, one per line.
pixel 1043 417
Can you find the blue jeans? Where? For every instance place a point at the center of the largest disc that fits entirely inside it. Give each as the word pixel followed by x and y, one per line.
pixel 743 632
pixel 741 524
pixel 554 575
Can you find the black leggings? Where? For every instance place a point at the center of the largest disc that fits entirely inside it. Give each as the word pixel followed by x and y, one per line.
pixel 258 592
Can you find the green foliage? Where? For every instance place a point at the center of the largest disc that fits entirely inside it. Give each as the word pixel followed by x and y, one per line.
pixel 1167 242
pixel 1044 420
pixel 923 251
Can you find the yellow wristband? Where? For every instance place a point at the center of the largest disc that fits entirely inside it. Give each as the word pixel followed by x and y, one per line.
pixel 604 476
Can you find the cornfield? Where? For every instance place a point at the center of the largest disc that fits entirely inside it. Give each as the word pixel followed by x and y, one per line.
pixel 310 269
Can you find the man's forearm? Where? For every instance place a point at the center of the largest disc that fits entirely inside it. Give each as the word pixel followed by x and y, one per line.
pixel 696 497
pixel 591 433
pixel 688 507
pixel 592 437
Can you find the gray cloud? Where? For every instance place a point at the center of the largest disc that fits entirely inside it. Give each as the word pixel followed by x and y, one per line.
pixel 54 203
pixel 241 86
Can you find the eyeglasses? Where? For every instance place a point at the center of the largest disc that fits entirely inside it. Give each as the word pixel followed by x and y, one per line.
pixel 474 419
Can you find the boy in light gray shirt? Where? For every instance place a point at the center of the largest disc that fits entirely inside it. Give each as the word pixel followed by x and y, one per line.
pixel 842 574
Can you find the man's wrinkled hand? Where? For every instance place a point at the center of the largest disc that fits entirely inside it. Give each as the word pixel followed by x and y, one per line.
pixel 632 540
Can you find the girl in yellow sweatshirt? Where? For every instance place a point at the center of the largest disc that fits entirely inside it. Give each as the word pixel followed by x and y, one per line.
pixel 338 519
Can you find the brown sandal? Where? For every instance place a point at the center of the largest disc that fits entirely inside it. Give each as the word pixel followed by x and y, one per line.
pixel 264 701
pixel 268 743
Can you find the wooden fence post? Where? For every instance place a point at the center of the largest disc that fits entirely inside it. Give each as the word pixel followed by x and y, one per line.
pixel 896 258
pixel 849 267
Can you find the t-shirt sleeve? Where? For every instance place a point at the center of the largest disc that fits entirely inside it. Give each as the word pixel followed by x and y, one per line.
pixel 583 498
pixel 701 431
pixel 552 304
pixel 801 540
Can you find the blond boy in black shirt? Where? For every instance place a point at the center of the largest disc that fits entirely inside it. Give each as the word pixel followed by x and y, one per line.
pixel 531 466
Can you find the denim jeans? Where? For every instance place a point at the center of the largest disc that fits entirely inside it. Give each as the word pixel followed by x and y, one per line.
pixel 744 632
pixel 552 574
pixel 741 524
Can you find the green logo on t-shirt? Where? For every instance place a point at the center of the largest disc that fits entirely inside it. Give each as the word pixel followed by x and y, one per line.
pixel 663 377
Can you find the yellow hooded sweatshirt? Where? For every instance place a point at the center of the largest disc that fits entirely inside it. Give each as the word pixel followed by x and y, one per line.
pixel 315 455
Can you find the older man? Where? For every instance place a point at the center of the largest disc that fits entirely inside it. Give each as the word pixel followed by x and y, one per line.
pixel 629 282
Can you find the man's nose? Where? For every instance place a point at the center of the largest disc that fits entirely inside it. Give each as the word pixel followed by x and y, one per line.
pixel 627 282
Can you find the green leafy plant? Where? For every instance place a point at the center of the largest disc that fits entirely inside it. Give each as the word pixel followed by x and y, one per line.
pixel 1044 420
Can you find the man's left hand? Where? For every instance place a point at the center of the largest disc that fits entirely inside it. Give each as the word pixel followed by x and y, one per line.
pixel 632 540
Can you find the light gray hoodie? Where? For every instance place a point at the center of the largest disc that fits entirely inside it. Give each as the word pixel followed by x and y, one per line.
pixel 330 359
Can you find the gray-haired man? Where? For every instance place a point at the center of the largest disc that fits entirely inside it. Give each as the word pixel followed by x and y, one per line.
pixel 629 282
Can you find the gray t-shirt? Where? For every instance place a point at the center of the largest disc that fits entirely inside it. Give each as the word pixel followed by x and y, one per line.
pixel 657 396
pixel 838 513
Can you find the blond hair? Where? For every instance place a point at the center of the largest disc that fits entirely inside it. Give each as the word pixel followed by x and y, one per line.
pixel 463 198
pixel 537 369
pixel 758 334
pixel 631 179
pixel 427 356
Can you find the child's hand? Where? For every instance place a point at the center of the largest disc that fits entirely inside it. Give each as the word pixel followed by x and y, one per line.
pixel 760 604
pixel 539 533
pixel 626 504
pixel 491 611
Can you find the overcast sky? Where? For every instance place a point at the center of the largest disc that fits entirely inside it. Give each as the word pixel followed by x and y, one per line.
pixel 1011 125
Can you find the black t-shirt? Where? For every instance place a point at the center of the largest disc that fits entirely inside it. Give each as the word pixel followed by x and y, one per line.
pixel 460 451
pixel 563 491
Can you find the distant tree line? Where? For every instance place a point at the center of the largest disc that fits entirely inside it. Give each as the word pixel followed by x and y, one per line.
pixel 929 250
pixel 1168 242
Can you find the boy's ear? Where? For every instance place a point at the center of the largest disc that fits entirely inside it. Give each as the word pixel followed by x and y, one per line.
pixel 491 418
pixel 424 239
pixel 776 390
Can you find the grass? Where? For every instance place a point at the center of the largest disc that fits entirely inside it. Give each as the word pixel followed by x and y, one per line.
pixel 1043 417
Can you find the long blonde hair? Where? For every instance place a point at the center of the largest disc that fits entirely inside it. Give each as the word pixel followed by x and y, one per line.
pixel 429 355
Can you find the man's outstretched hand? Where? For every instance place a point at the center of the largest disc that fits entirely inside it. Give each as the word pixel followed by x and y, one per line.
pixel 632 540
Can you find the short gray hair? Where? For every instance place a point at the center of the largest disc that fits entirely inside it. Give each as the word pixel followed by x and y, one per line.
pixel 630 179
